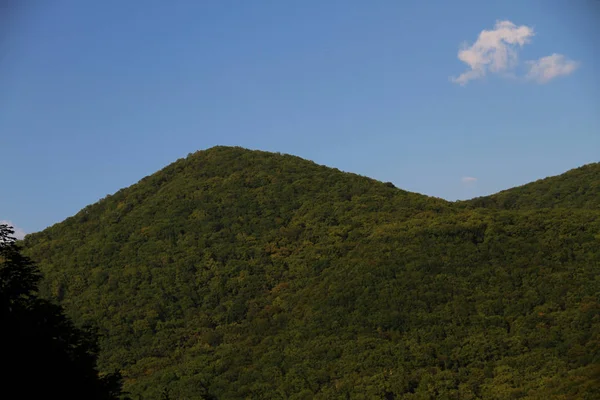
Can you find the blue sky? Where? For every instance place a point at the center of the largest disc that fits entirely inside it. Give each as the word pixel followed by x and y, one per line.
pixel 96 95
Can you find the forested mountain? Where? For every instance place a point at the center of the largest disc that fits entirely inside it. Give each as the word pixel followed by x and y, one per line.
pixel 236 274
pixel 577 188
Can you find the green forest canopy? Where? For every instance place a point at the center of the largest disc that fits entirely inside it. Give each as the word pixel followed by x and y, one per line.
pixel 237 274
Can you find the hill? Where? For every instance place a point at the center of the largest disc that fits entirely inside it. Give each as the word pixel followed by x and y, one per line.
pixel 577 188
pixel 238 274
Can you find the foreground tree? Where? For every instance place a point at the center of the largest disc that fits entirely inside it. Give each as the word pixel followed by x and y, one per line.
pixel 43 353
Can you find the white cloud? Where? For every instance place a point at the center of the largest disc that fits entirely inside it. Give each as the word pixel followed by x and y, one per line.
pixel 19 233
pixel 494 51
pixel 547 68
pixel 468 180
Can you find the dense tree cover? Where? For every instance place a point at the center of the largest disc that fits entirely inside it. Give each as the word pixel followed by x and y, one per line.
pixel 43 355
pixel 238 274
pixel 577 188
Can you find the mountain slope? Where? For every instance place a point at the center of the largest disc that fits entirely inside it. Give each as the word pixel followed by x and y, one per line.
pixel 245 274
pixel 577 188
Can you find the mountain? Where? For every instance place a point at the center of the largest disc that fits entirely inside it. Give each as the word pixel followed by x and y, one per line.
pixel 236 274
pixel 577 188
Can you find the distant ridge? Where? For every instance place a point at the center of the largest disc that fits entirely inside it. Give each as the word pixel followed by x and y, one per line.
pixel 577 188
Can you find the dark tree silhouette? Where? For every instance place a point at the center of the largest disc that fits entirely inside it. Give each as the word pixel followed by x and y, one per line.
pixel 43 354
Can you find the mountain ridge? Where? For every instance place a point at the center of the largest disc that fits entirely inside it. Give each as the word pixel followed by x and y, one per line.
pixel 548 192
pixel 246 274
pixel 498 200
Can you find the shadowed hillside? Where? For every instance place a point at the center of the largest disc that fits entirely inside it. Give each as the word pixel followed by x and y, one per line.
pixel 237 274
